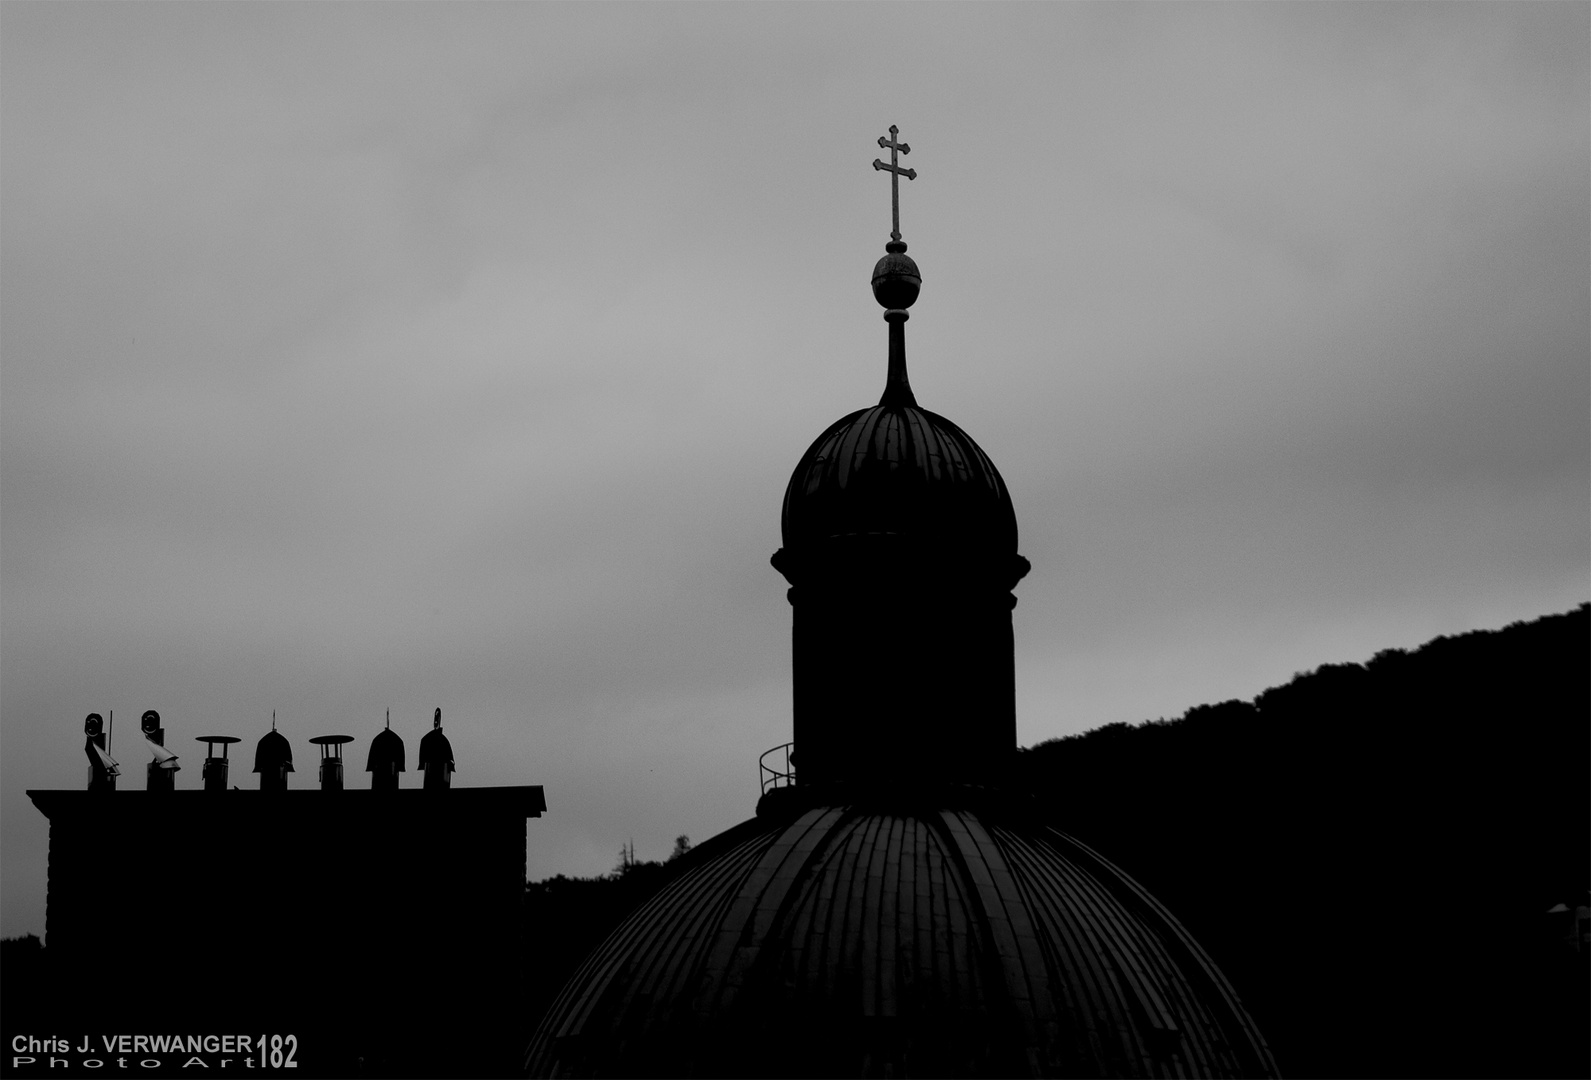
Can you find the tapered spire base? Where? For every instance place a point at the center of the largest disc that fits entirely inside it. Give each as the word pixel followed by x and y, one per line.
pixel 897 389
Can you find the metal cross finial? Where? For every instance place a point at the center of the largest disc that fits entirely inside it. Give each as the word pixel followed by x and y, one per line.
pixel 895 171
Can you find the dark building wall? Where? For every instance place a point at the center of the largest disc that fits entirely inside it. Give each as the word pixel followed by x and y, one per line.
pixel 384 928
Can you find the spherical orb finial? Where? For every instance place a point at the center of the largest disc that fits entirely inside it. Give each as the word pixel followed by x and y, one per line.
pixel 896 281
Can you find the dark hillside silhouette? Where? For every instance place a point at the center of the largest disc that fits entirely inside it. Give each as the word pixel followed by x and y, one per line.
pixel 565 918
pixel 1371 851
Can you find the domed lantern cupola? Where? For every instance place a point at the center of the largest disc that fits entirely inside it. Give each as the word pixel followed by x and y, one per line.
pixel 900 546
pixel 893 912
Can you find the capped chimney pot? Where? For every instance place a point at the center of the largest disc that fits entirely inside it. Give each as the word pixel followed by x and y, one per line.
pixel 215 768
pixel 331 760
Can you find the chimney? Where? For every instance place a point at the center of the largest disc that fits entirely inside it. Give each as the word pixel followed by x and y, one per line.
pixel 386 758
pixel 273 759
pixel 215 768
pixel 162 770
pixel 436 757
pixel 331 760
pixel 102 769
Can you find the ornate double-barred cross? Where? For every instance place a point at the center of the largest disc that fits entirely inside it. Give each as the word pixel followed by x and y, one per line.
pixel 895 171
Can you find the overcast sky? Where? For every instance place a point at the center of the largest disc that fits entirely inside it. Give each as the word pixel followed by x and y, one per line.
pixel 372 356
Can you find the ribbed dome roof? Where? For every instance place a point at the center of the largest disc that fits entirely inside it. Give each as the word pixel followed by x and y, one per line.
pixel 848 941
pixel 898 469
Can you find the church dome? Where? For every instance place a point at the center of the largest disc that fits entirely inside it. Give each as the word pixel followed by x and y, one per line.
pixel 891 910
pixel 898 939
pixel 898 470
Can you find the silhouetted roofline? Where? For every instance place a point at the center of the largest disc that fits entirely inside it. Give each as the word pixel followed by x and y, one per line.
pixel 528 799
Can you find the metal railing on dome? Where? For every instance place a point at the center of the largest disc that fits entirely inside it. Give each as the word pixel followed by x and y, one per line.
pixel 782 772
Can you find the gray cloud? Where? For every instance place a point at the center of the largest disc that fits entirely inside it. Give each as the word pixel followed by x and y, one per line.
pixel 359 357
